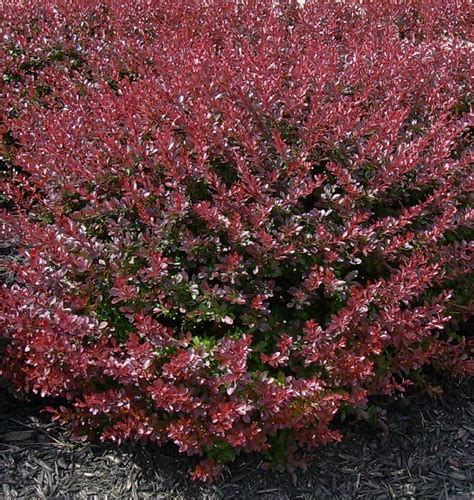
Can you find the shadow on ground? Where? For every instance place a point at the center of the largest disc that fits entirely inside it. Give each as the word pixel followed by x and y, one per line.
pixel 426 454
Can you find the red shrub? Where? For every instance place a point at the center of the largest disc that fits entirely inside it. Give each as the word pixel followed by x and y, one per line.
pixel 233 218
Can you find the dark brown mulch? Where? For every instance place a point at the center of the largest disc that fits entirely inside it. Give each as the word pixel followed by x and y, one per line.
pixel 427 454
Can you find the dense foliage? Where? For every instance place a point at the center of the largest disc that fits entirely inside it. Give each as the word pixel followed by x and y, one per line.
pixel 233 219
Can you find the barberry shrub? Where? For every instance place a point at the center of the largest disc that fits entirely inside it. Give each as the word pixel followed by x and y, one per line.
pixel 233 219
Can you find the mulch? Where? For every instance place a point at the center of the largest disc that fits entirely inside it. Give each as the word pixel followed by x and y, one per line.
pixel 426 454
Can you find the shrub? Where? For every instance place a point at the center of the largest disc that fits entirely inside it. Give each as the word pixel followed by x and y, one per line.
pixel 233 219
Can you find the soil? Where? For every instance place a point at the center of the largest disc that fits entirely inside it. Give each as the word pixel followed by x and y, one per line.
pixel 426 454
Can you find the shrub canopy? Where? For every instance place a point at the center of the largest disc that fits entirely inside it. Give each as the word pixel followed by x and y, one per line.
pixel 233 219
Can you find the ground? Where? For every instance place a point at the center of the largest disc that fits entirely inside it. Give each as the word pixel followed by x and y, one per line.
pixel 425 454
